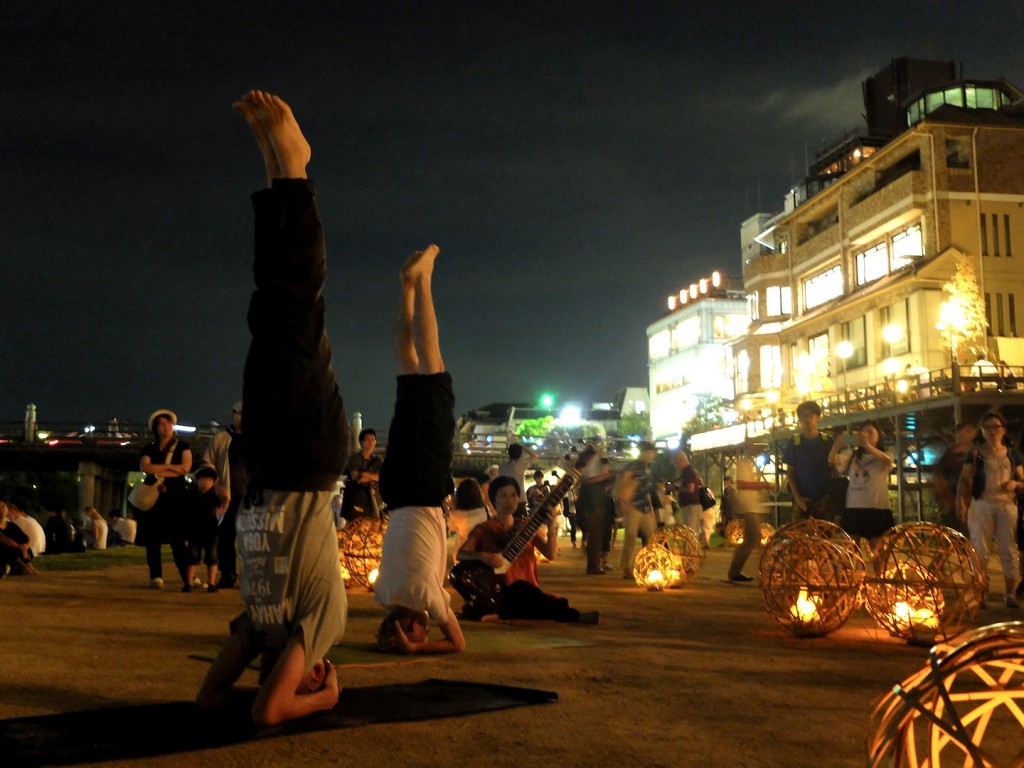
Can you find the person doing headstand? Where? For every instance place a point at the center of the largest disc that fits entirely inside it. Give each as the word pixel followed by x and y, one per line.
pixel 416 477
pixel 295 449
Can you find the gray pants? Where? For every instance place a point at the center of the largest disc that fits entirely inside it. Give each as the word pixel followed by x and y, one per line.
pixel 640 523
pixel 751 538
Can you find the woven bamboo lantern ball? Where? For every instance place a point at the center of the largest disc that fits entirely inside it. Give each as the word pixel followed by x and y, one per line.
pixel 655 568
pixel 361 542
pixel 685 545
pixel 346 577
pixel 813 527
pixel 963 708
pixel 927 584
pixel 734 532
pixel 811 586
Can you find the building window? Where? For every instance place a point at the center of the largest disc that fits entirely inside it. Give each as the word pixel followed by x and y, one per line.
pixel 988 310
pixel 771 367
pixel 1012 312
pixel 956 154
pixel 999 315
pixel 907 246
pixel 872 264
pixel 660 344
pixel 995 234
pixel 752 307
pixel 742 371
pixel 895 324
pixel 817 352
pixel 984 236
pixel 823 287
pixel 686 334
pixel 1006 228
pixel 855 333
pixel 779 300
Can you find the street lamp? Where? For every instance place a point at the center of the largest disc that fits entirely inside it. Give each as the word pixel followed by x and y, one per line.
pixel 844 350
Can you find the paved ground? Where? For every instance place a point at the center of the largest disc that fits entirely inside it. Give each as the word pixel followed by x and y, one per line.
pixel 700 676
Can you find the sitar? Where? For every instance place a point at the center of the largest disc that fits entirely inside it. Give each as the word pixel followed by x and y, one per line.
pixel 480 584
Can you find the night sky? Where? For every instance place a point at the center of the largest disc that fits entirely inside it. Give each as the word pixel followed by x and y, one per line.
pixel 576 163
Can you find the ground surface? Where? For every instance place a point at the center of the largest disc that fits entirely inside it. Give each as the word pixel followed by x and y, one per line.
pixel 699 676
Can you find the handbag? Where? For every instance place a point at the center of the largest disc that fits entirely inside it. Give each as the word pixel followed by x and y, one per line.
pixel 706 497
pixel 144 495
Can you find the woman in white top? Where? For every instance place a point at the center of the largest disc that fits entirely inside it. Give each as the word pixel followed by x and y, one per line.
pixel 867 513
pixel 993 476
pixel 468 513
pixel 95 529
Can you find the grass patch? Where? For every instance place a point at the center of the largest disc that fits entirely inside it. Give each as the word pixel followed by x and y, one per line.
pixel 95 560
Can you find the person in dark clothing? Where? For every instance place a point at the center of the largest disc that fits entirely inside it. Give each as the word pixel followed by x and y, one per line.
pixel 361 476
pixel 201 505
pixel 59 533
pixel 165 462
pixel 224 454
pixel 295 448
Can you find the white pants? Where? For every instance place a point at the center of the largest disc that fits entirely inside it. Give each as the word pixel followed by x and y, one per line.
pixel 987 518
pixel 692 517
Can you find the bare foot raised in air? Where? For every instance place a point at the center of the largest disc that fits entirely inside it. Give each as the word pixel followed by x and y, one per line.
pixel 420 265
pixel 246 107
pixel 290 146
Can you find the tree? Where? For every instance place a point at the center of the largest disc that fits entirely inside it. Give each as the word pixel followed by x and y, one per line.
pixel 962 315
pixel 707 414
pixel 535 427
pixel 636 425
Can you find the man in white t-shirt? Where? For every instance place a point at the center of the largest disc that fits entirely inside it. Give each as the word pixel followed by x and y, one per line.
pixel 30 526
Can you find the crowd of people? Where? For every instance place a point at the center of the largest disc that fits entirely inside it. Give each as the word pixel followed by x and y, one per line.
pixel 262 509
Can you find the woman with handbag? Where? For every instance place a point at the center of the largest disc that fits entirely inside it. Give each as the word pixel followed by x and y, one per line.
pixel 165 461
pixel 867 513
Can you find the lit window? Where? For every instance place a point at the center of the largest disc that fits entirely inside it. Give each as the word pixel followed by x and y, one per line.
pixel 686 334
pixel 752 306
pixel 907 246
pixel 780 300
pixel 823 287
pixel 659 344
pixel 771 367
pixel 742 371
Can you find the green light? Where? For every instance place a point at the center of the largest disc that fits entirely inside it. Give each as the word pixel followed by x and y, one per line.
pixel 547 400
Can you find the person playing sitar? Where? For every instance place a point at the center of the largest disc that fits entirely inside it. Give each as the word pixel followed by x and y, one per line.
pixel 514 593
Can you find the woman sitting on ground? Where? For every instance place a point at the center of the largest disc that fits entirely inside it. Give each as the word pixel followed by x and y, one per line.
pixel 15 553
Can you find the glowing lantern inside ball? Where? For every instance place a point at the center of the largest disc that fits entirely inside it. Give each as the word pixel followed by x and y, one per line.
pixel 734 532
pixel 928 583
pixel 685 546
pixel 806 608
pixel 810 585
pixel 361 542
pixel 653 567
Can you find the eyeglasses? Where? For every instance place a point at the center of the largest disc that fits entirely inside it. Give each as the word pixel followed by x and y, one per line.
pixel 991 427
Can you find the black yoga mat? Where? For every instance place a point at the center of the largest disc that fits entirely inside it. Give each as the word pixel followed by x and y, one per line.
pixel 87 737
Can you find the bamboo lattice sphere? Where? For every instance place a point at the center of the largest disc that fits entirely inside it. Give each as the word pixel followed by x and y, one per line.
pixel 656 568
pixel 361 541
pixel 734 532
pixel 811 585
pixel 928 583
pixel 810 526
pixel 684 543
pixel 965 707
